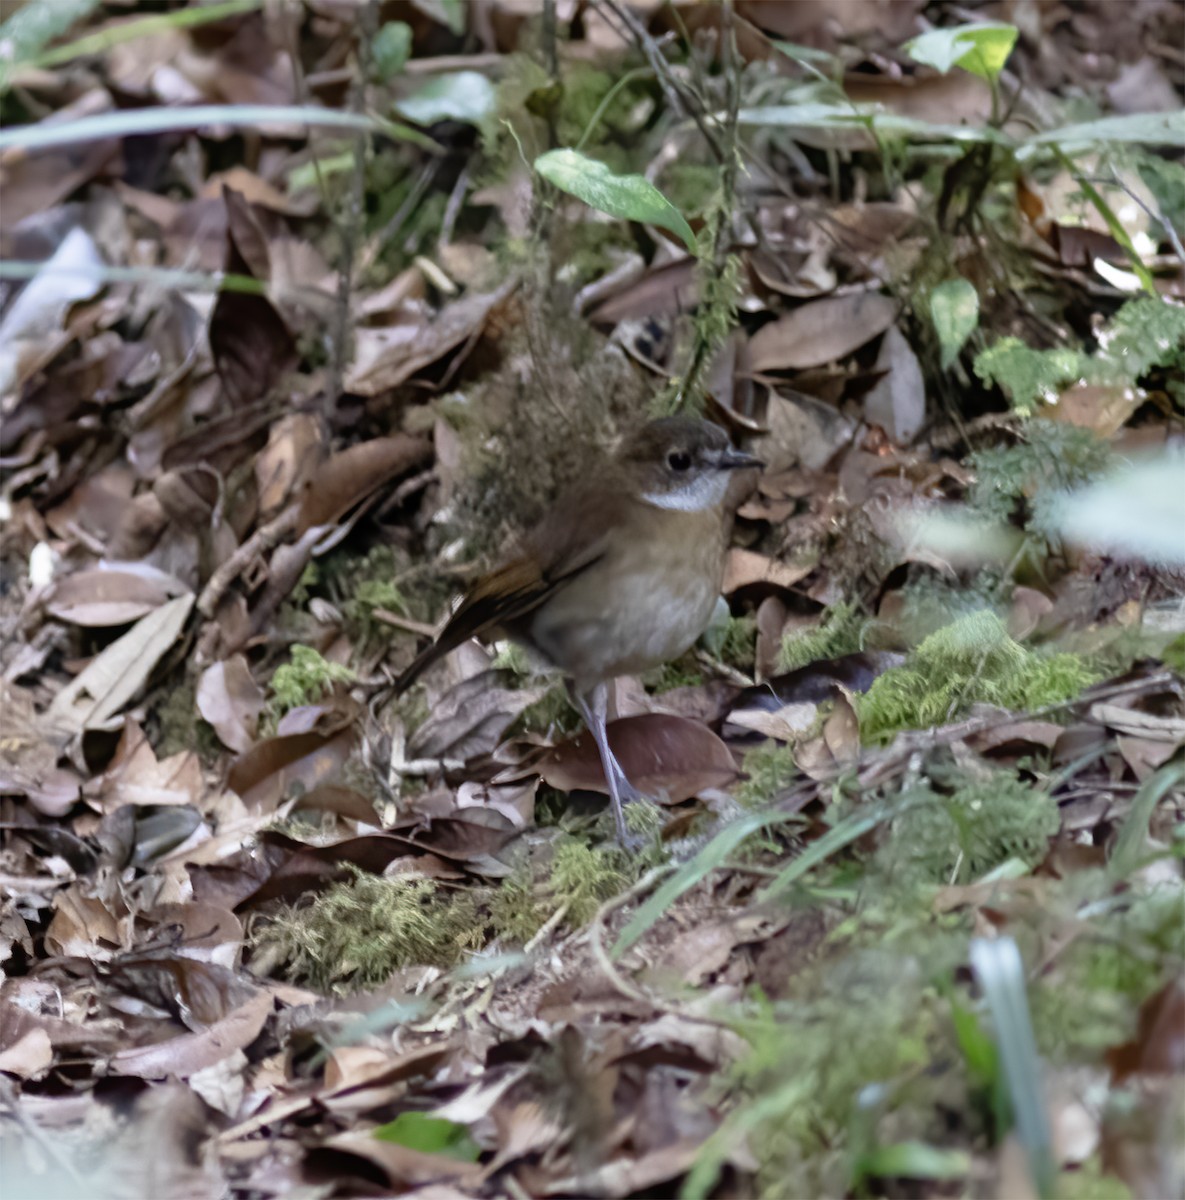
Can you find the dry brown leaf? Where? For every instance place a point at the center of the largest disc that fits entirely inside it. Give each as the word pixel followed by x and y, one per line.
pixel 821 331
pixel 352 474
pixel 669 759
pixel 385 358
pixel 897 402
pixel 746 567
pixel 287 462
pixel 785 724
pixel 31 1054
pixel 401 1166
pixel 265 772
pixel 1101 408
pixel 112 679
pixel 135 775
pixel 230 699
pixel 110 595
pixel 470 719
pixel 179 1057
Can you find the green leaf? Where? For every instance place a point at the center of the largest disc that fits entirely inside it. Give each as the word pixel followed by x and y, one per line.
pixel 631 197
pixel 713 855
pixel 914 1160
pixel 459 96
pixel 391 48
pixel 32 27
pixel 1160 128
pixel 981 49
pixel 430 1135
pixel 954 309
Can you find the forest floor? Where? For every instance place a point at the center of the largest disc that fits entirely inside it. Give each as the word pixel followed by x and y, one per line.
pixel 908 920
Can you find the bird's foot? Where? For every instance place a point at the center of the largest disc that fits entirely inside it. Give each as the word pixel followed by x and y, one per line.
pixel 641 827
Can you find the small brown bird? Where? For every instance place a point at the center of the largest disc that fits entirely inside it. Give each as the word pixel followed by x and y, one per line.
pixel 621 575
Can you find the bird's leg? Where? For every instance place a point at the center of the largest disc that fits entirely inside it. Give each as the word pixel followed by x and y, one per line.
pixel 593 707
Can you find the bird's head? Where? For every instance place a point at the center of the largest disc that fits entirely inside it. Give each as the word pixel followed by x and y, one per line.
pixel 682 463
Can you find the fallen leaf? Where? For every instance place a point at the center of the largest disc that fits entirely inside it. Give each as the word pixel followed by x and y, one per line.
pixel 897 402
pixel 387 357
pixel 230 699
pixel 821 331
pixel 746 567
pixel 667 758
pixel 29 1056
pixel 179 1057
pixel 108 595
pixel 113 678
pixel 469 719
pixel 352 474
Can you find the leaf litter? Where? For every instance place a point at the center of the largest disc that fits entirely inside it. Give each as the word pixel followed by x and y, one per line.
pixel 269 930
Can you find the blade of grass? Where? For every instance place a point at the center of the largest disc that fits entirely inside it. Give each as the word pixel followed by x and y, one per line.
pixel 834 840
pixel 1129 846
pixel 998 967
pixel 45 136
pixel 1114 225
pixel 182 18
pixel 713 855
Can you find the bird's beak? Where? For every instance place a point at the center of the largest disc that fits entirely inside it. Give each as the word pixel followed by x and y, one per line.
pixel 736 460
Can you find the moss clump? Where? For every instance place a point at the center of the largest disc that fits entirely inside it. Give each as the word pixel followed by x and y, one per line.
pixel 580 879
pixel 584 877
pixel 305 679
pixel 358 933
pixel 958 837
pixel 813 1066
pixel 972 660
pixel 1110 970
pixel 839 633
pixel 770 768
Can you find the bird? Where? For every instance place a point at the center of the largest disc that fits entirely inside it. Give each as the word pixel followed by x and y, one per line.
pixel 622 574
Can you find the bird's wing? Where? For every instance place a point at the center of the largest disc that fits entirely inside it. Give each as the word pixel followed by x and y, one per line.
pixel 568 541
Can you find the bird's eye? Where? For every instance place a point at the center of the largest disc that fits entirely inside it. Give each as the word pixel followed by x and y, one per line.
pixel 679 460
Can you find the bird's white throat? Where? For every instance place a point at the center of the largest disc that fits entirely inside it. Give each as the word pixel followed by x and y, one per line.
pixel 704 492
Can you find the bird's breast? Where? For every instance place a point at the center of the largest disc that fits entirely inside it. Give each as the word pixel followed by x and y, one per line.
pixel 642 604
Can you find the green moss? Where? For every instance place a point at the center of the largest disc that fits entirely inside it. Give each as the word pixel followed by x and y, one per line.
pixel 839 633
pixel 816 1068
pixel 770 768
pixel 959 837
pixel 972 660
pixel 178 726
pixel 580 878
pixel 584 877
pixel 1125 954
pixel 305 679
pixel 518 906
pixel 358 933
